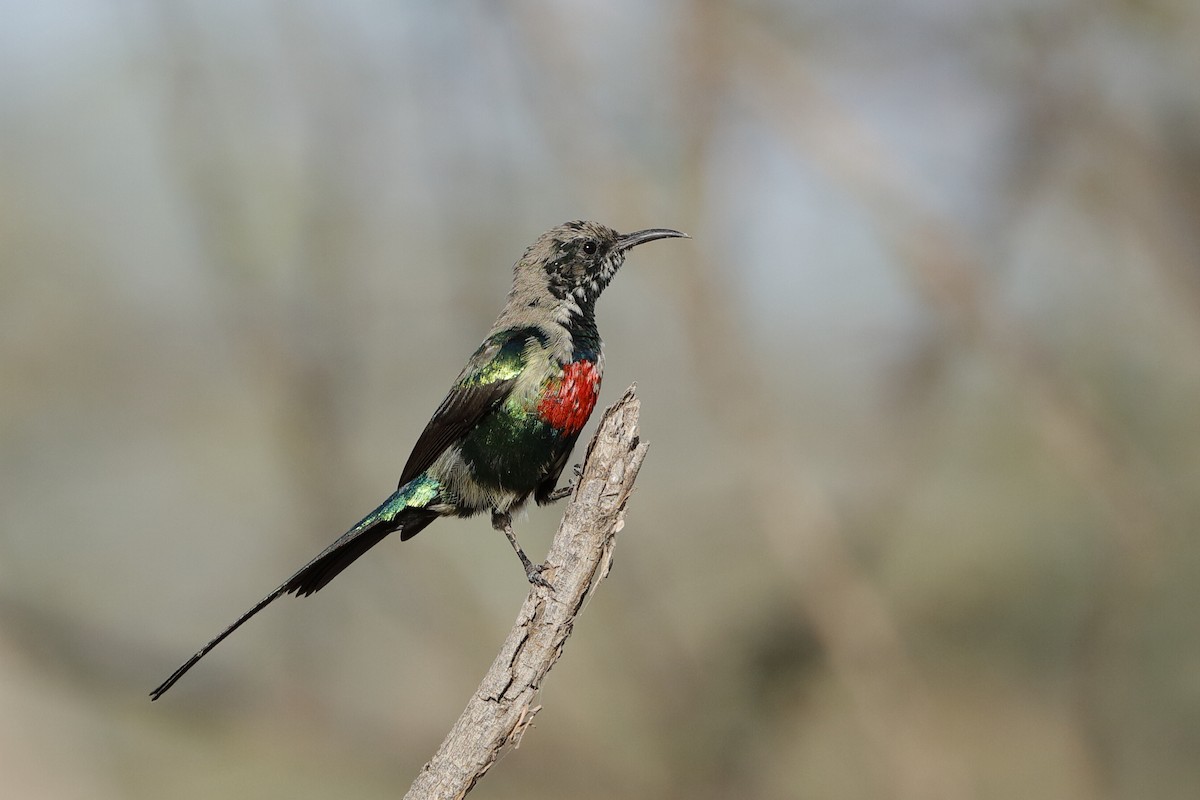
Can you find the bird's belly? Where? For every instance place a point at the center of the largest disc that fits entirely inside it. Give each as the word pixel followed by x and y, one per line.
pixel 512 450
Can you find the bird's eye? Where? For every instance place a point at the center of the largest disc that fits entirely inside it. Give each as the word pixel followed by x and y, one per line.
pixel 589 247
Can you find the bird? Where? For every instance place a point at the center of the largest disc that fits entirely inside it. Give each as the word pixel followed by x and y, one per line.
pixel 506 428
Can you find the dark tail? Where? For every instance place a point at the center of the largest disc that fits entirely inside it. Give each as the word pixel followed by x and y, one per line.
pixel 395 514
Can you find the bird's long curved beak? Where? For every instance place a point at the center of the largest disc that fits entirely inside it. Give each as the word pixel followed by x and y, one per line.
pixel 629 240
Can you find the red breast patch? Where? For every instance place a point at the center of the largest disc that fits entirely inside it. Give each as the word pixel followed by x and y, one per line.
pixel 569 400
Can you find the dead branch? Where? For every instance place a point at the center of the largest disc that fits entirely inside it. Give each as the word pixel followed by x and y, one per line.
pixel 502 708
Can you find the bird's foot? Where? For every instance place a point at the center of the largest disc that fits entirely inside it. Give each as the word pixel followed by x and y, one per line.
pixel 565 491
pixel 560 493
pixel 502 520
pixel 534 573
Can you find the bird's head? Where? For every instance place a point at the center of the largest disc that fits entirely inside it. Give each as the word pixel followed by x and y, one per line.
pixel 577 260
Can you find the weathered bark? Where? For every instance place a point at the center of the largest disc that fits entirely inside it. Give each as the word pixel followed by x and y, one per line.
pixel 502 708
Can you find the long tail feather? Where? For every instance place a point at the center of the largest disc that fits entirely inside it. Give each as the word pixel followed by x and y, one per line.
pixel 191 662
pixel 342 553
pixel 394 514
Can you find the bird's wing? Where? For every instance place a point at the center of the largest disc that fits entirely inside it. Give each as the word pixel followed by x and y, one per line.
pixel 485 383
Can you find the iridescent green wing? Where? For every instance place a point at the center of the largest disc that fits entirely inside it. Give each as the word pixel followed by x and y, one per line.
pixel 483 385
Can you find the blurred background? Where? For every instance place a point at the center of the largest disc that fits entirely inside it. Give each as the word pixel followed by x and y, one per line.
pixel 919 514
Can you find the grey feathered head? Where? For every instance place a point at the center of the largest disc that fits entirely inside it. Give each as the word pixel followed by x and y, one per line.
pixel 580 258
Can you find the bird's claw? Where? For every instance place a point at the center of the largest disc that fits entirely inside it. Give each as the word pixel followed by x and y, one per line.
pixel 534 574
pixel 561 492
pixel 566 491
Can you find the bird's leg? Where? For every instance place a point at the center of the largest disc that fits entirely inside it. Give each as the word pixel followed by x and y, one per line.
pixel 565 491
pixel 502 521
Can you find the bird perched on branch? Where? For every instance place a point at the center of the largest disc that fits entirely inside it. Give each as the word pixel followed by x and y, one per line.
pixel 506 429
